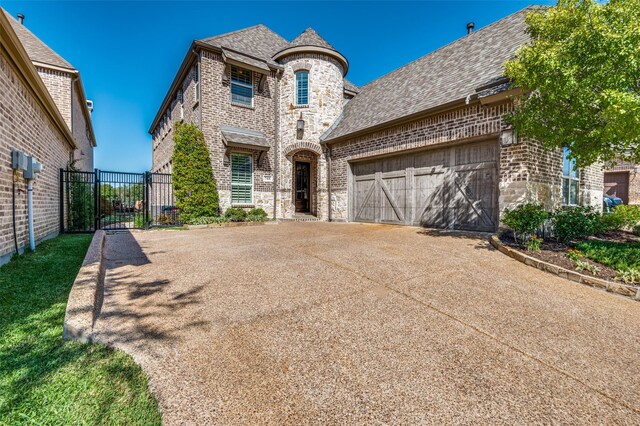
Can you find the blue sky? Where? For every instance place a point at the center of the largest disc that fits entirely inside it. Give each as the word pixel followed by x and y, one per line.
pixel 128 52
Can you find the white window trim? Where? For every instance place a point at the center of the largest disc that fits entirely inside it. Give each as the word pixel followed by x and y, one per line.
pixel 197 82
pixel 246 154
pixel 245 85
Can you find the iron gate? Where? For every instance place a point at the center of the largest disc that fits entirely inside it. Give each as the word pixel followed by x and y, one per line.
pixel 115 200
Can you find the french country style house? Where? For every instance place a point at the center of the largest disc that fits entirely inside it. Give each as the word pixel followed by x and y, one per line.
pixel 425 145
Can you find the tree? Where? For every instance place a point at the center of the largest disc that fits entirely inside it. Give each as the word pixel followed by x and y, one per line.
pixel 581 79
pixel 193 183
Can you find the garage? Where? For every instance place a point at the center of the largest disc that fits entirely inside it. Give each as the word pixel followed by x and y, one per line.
pixel 454 188
pixel 616 184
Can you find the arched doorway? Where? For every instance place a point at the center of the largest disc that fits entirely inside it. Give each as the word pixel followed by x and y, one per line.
pixel 304 165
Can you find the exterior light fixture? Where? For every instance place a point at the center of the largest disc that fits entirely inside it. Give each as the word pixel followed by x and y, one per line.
pixel 300 124
pixel 508 136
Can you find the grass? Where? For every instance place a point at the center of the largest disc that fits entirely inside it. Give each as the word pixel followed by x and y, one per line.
pixel 619 256
pixel 45 380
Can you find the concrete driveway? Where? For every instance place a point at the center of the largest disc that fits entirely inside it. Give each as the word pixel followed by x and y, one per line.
pixel 318 323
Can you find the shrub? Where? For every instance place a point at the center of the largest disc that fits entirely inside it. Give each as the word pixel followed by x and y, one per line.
pixel 235 215
pixel 140 221
pixel 257 215
pixel 206 220
pixel 524 220
pixel 624 216
pixel 576 222
pixel 193 182
pixel 583 265
pixel 574 255
pixel 636 230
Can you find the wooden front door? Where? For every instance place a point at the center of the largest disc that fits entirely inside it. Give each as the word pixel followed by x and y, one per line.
pixel 303 187
pixel 617 185
pixel 455 188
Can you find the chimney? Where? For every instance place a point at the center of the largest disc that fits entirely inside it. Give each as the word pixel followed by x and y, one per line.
pixel 470 27
pixel 21 18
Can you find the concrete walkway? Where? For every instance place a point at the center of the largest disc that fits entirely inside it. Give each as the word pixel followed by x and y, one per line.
pixel 318 323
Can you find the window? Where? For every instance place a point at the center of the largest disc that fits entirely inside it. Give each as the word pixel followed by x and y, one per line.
pixel 180 98
pixel 241 178
pixel 570 180
pixel 302 88
pixel 196 81
pixel 241 86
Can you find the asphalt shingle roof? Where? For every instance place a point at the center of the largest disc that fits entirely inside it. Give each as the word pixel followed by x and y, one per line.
pixel 36 49
pixel 447 74
pixel 310 38
pixel 257 41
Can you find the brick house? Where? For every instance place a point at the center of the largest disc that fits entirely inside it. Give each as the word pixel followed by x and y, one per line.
pixel 424 145
pixel 42 113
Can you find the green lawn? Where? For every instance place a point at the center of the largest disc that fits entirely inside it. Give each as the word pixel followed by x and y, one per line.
pixel 44 380
pixel 619 256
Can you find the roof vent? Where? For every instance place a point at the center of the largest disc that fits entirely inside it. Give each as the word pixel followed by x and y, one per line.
pixel 21 18
pixel 470 27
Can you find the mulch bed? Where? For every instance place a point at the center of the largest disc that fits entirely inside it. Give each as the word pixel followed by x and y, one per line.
pixel 556 253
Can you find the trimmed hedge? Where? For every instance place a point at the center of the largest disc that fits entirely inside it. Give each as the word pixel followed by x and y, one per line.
pixel 193 183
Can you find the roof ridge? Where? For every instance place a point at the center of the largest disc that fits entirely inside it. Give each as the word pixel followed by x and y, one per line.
pixel 466 36
pixel 243 30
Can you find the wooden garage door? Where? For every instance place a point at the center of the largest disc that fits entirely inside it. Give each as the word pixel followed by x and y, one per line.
pixel 453 188
pixel 617 185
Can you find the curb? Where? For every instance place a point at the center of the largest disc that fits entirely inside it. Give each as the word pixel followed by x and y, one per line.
pixel 610 286
pixel 85 298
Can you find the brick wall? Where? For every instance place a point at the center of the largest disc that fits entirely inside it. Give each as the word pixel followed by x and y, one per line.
pixel 634 179
pixel 58 84
pixel 80 130
pixel 528 172
pixel 24 125
pixel 217 109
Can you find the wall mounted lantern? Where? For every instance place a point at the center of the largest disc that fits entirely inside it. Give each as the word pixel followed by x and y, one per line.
pixel 300 124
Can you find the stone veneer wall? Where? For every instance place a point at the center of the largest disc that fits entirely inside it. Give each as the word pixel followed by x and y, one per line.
pixel 528 172
pixel 326 100
pixel 25 125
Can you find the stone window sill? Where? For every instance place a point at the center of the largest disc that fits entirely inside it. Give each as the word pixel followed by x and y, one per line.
pixel 301 106
pixel 251 107
pixel 241 206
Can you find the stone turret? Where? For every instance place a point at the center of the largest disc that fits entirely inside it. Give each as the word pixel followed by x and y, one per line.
pixel 318 107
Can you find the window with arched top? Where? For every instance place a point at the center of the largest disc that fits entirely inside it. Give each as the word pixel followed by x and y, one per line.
pixel 302 87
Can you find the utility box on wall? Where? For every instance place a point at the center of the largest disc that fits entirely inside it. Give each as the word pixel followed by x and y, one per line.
pixel 19 160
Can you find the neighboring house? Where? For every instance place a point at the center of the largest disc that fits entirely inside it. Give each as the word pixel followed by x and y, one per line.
pixel 32 121
pixel 65 86
pixel 425 144
pixel 623 181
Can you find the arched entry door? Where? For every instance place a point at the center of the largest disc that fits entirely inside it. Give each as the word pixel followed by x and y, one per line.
pixel 302 186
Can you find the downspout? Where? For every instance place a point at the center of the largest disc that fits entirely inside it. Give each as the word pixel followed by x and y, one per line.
pixel 329 184
pixel 277 143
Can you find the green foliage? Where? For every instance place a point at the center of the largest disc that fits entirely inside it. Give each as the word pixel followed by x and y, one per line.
pixel 576 222
pixel 629 276
pixel 626 216
pixel 206 220
pixel 619 256
pixel 583 265
pixel 46 380
pixel 256 215
pixel 524 220
pixel 580 79
pixel 80 200
pixel 534 243
pixel 574 255
pixel 140 221
pixel 636 230
pixel 193 182
pixel 235 215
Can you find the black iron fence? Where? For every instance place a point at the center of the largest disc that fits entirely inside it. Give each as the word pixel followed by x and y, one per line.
pixel 115 200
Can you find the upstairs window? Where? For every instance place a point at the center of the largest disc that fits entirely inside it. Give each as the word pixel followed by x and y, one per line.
pixel 196 81
pixel 241 86
pixel 570 180
pixel 302 88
